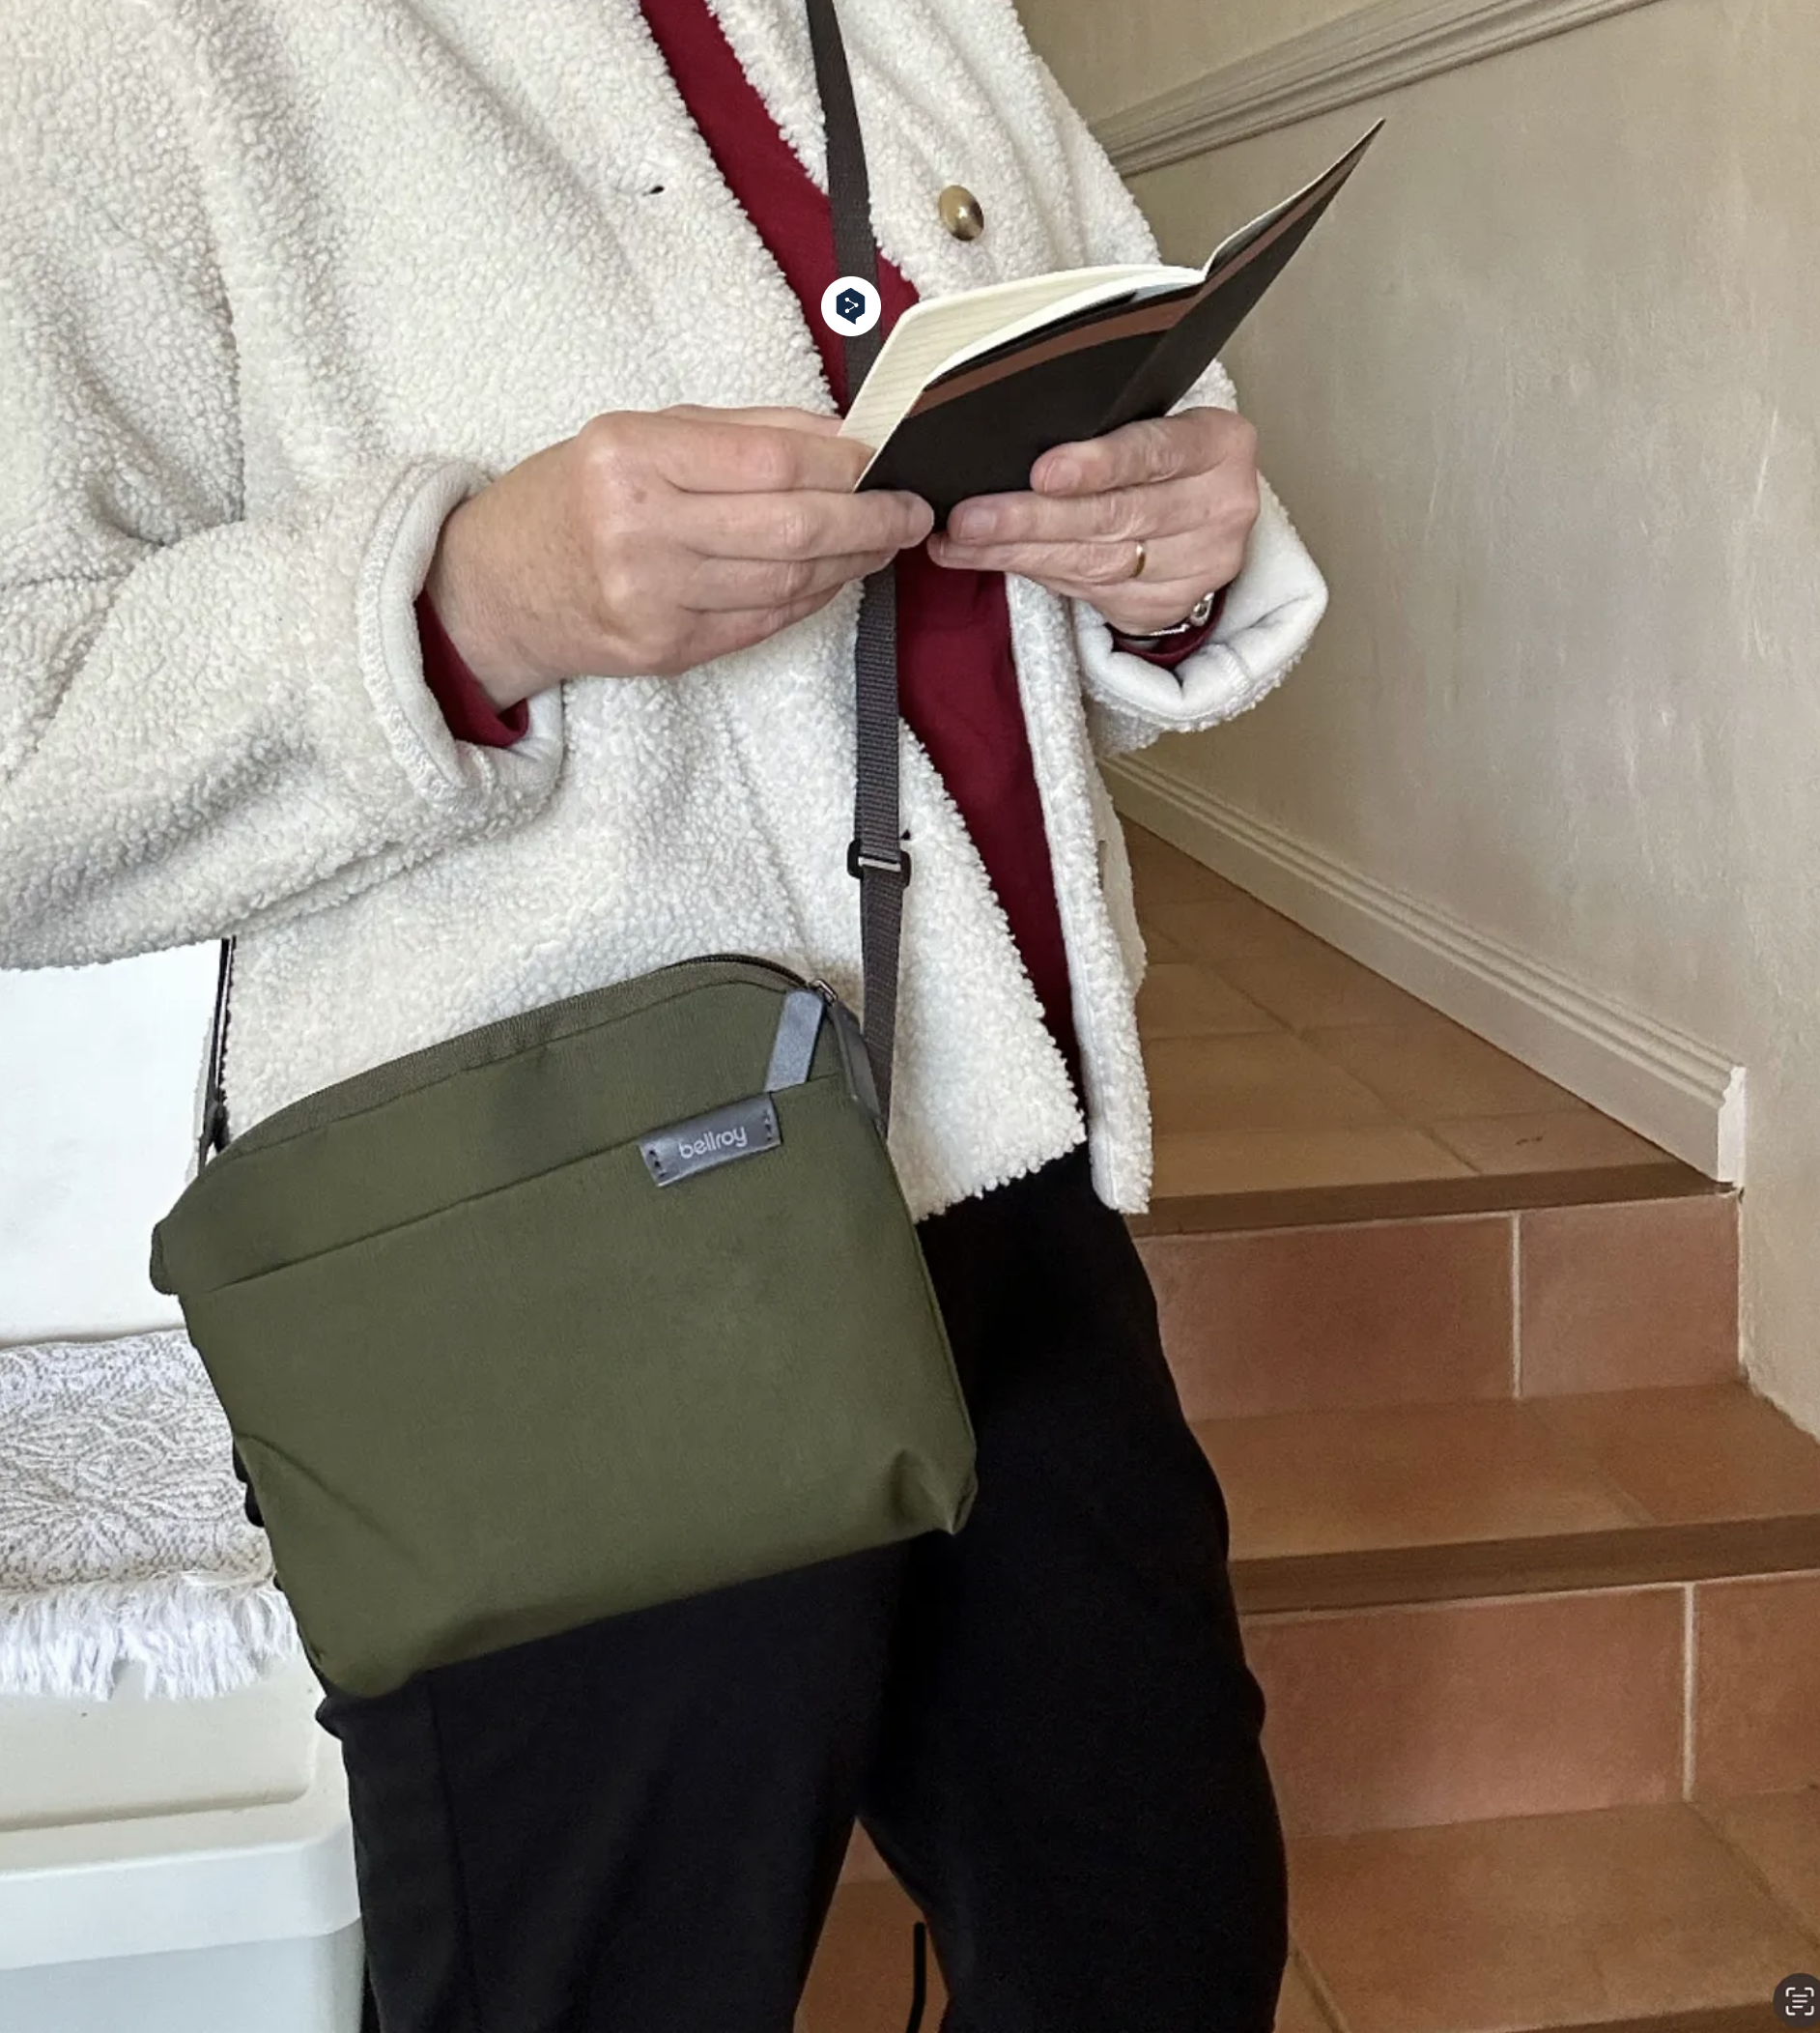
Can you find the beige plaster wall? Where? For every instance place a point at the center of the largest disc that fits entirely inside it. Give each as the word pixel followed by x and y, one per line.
pixel 1543 399
pixel 1109 57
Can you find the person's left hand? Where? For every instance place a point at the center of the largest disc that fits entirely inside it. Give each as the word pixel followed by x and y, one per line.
pixel 1184 486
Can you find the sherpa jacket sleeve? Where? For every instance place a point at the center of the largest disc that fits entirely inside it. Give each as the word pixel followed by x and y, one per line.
pixel 1272 608
pixel 208 719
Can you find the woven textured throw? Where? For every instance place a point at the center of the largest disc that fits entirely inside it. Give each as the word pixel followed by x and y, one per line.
pixel 123 1539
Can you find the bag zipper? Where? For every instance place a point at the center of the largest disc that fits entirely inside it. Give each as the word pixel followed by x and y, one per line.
pixel 743 960
pixel 307 1112
pixel 856 1062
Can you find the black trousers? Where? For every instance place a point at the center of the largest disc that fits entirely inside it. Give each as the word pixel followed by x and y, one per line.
pixel 1045 1723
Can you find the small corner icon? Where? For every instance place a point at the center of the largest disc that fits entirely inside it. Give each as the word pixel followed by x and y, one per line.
pixel 1798 2000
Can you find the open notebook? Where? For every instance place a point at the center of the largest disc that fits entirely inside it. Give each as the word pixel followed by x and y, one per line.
pixel 970 390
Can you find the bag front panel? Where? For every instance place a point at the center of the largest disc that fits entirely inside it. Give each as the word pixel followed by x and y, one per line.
pixel 584 1393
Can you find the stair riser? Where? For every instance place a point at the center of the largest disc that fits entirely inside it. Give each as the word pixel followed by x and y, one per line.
pixel 1536 1304
pixel 1471 1711
pixel 1445 1712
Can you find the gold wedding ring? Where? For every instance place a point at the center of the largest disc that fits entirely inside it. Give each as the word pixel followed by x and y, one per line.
pixel 1142 559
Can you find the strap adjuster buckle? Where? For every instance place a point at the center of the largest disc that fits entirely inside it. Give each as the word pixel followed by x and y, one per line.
pixel 859 862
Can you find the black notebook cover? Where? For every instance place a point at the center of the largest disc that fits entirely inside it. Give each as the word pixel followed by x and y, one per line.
pixel 982 427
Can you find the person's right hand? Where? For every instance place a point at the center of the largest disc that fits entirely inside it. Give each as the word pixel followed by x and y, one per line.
pixel 653 541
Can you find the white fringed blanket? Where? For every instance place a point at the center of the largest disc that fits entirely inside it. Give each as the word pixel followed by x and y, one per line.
pixel 121 1535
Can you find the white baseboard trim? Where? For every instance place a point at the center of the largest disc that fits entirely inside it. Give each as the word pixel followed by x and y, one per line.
pixel 1374 48
pixel 1668 1087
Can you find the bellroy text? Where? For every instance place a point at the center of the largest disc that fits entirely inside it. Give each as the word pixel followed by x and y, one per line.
pixel 722 1136
pixel 714 1140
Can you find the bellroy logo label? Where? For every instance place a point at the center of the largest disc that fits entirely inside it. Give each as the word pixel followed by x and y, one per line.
pixel 722 1136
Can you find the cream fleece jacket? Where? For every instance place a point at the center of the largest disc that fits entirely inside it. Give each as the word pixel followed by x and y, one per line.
pixel 281 283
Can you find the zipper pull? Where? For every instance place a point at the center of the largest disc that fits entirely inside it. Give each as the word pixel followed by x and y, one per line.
pixel 793 1047
pixel 855 1060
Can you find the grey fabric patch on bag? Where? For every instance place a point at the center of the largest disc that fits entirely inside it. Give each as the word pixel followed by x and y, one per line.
pixel 793 1049
pixel 721 1136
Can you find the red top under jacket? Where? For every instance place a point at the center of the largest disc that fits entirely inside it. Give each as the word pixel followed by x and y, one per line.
pixel 956 678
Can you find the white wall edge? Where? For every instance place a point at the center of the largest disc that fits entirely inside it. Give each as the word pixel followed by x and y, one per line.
pixel 1376 48
pixel 1666 1086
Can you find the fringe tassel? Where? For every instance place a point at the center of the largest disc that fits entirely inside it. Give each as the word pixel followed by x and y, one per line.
pixel 194 1637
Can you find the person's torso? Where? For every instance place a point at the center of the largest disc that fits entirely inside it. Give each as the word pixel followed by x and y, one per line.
pixel 956 672
pixel 460 229
pixel 466 227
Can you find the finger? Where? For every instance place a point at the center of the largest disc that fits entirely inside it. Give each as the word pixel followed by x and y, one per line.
pixel 1119 516
pixel 707 454
pixel 1209 554
pixel 1140 454
pixel 1178 571
pixel 801 525
pixel 1138 614
pixel 735 585
pixel 776 416
pixel 1097 564
pixel 723 634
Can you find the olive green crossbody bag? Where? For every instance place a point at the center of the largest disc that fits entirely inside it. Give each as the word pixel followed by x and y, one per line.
pixel 607 1303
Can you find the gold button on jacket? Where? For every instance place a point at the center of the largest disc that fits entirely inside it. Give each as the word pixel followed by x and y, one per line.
pixel 961 212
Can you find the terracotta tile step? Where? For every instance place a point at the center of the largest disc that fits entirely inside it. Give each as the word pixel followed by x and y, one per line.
pixel 1538 1303
pixel 1475 1710
pixel 1289 1083
pixel 1725 2018
pixel 1428 1502
pixel 1666 1919
pixel 861 1982
pixel 1629 1919
pixel 1406 1199
pixel 1466 1612
pixel 1556 1564
pixel 1472 1611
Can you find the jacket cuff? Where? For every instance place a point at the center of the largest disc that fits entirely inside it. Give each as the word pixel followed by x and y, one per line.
pixel 1270 613
pixel 467 713
pixel 444 771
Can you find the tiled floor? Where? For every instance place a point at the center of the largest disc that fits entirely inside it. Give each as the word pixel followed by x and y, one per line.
pixel 1278 1064
pixel 862 1979
pixel 1571 1921
pixel 1312 1483
pixel 1463 1612
pixel 1607 1919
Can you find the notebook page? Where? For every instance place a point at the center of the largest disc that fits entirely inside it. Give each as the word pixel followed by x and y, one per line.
pixel 934 336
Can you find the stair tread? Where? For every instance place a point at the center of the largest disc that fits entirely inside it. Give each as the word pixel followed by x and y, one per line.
pixel 1342 1506
pixel 1779 1836
pixel 1614 1918
pixel 1664 1919
pixel 1290 1084
pixel 1298 2010
pixel 860 1981
pixel 1410 1199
